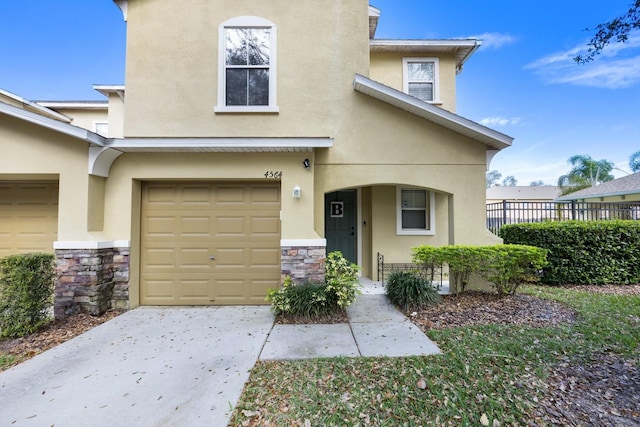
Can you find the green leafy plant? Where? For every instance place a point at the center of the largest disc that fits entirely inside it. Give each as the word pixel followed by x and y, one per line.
pixel 410 291
pixel 507 267
pixel 26 290
pixel 341 278
pixel 313 300
pixel 590 252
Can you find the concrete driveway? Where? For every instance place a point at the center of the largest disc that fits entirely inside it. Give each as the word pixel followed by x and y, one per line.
pixel 147 367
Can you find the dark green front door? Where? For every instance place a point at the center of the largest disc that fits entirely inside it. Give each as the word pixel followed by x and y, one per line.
pixel 340 223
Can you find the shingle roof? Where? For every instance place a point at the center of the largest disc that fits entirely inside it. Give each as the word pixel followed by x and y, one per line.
pixel 629 184
pixel 542 192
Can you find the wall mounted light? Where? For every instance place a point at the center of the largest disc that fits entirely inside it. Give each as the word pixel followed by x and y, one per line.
pixel 306 163
pixel 296 192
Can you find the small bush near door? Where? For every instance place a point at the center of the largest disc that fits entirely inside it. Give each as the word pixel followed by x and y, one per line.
pixel 26 290
pixel 410 291
pixel 313 300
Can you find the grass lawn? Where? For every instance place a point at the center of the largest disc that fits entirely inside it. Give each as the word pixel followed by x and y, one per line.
pixel 487 375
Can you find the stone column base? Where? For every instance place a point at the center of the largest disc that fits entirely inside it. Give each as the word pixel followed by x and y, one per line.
pixel 91 281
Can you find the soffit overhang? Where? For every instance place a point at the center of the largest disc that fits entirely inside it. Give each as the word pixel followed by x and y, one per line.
pixel 493 139
pixel 218 145
pixel 461 49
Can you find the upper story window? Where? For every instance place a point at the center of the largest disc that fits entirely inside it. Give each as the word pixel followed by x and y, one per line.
pixel 421 78
pixel 247 73
pixel 416 211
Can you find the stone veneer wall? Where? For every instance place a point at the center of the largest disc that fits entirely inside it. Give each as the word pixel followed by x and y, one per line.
pixel 91 281
pixel 304 263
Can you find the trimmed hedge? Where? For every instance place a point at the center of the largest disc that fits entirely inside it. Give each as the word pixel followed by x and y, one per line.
pixel 583 252
pixel 26 290
pixel 504 266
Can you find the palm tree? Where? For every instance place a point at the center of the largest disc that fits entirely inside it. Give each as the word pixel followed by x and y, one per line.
pixel 634 162
pixel 586 172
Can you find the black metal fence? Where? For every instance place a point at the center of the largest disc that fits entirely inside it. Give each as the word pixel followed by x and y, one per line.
pixel 509 212
pixel 432 273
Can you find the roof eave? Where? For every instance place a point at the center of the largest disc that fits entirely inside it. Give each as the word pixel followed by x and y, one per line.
pixel 212 145
pixel 55 125
pixel 569 197
pixel 494 140
pixel 463 49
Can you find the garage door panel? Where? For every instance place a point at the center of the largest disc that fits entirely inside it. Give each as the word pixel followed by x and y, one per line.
pixel 236 223
pixel 195 226
pixel 264 258
pixel 265 226
pixel 29 216
pixel 230 226
pixel 194 258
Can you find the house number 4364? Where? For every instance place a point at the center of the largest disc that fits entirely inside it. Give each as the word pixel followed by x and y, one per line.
pixel 273 174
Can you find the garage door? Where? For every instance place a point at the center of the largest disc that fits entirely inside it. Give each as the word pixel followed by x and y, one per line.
pixel 28 217
pixel 208 243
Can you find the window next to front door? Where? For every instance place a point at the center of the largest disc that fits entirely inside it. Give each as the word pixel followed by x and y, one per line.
pixel 415 211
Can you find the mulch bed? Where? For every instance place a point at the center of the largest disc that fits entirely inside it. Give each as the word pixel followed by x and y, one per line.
pixel 600 392
pixel 53 334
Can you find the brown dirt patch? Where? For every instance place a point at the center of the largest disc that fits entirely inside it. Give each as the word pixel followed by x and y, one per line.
pixel 52 334
pixel 481 308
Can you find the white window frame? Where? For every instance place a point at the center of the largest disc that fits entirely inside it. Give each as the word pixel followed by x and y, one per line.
pixel 436 76
pixel 431 223
pixel 247 22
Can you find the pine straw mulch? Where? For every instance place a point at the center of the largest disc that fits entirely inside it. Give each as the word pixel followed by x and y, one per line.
pixel 54 333
pixel 603 391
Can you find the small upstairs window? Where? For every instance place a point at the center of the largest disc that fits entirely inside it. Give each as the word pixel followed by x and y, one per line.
pixel 421 78
pixel 247 74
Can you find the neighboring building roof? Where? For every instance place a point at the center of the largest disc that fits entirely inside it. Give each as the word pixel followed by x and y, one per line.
pixel 53 124
pixel 629 184
pixel 33 107
pixel 462 49
pixel 74 105
pixel 531 193
pixel 491 138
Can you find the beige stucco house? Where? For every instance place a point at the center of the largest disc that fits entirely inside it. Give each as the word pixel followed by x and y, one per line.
pixel 249 140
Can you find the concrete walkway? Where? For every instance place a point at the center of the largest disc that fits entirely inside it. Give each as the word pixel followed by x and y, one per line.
pixel 155 366
pixel 375 328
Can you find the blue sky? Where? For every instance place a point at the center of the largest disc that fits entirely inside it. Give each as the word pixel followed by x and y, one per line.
pixel 521 82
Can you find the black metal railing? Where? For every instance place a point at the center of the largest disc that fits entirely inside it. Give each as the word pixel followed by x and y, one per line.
pixel 517 212
pixel 431 273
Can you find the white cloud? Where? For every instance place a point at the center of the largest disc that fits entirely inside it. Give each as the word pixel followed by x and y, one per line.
pixel 500 121
pixel 617 67
pixel 494 40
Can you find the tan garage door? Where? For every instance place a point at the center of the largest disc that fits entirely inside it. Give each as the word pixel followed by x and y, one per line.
pixel 209 243
pixel 28 217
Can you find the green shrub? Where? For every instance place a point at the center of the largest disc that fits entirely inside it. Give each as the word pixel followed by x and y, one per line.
pixel 341 278
pixel 462 261
pixel 313 300
pixel 508 266
pixel 504 266
pixel 26 290
pixel 583 252
pixel 410 291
